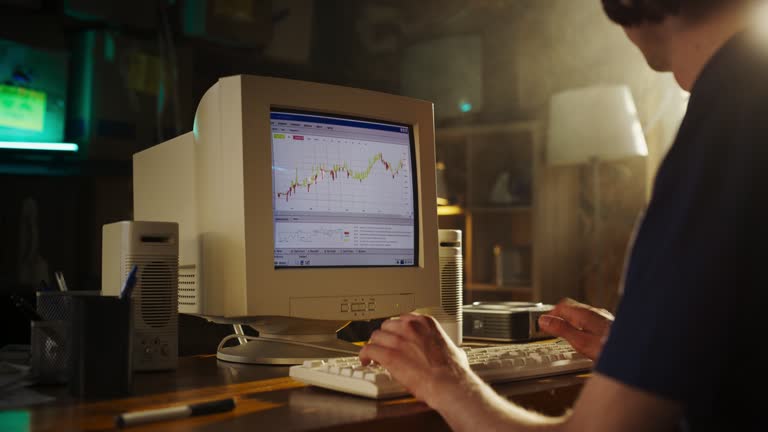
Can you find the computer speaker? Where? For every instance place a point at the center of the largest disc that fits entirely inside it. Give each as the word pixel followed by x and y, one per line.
pixel 451 283
pixel 153 249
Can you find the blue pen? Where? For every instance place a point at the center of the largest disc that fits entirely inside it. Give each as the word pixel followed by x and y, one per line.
pixel 44 286
pixel 130 282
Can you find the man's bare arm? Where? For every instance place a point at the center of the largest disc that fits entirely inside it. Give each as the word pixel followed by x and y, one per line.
pixel 420 356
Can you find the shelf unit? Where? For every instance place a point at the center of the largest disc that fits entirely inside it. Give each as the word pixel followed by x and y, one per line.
pixel 490 172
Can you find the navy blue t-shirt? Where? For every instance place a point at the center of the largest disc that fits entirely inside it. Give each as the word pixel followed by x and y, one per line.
pixel 688 327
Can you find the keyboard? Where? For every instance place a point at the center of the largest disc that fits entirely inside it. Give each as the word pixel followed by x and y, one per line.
pixel 492 364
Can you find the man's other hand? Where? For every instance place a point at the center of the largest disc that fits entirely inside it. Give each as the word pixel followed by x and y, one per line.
pixel 583 326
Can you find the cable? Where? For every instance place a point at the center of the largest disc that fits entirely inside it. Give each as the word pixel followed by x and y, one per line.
pixel 285 341
pixel 239 331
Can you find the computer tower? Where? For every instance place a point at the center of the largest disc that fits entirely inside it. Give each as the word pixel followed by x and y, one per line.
pixel 153 248
pixel 451 283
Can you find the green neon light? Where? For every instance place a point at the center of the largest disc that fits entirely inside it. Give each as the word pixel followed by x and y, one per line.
pixel 14 421
pixel 22 108
pixel 109 47
pixel 20 145
pixel 194 12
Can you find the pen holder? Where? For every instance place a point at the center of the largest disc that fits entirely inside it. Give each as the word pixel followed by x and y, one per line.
pixel 51 339
pixel 101 347
pixel 57 305
pixel 50 349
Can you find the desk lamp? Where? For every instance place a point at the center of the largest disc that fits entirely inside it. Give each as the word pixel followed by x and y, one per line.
pixel 589 126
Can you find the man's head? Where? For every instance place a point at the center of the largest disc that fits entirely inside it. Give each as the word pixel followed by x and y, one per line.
pixel 653 24
pixel 629 13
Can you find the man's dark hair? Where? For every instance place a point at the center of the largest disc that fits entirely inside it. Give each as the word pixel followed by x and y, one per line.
pixel 632 12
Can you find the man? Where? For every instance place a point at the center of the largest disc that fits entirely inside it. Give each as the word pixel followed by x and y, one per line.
pixel 671 360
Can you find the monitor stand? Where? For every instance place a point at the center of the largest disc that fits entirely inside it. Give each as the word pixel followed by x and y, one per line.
pixel 286 341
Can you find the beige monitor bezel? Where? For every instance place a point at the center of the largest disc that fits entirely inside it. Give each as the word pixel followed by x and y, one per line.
pixel 314 293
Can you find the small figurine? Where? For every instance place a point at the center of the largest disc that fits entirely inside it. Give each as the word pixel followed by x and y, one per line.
pixel 500 193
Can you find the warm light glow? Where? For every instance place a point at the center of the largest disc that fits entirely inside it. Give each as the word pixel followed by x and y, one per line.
pixel 449 210
pixel 442 201
pixel 630 106
pixel 685 97
pixel 761 19
pixel 20 145
pixel 637 132
pixel 596 122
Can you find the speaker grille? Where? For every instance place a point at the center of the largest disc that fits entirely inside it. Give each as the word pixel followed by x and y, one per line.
pixel 155 295
pixel 451 285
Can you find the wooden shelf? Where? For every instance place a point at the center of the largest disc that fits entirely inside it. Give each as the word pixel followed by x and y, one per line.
pixel 476 158
pixel 504 288
pixel 510 209
pixel 478 292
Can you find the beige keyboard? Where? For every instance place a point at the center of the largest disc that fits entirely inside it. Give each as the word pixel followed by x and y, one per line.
pixel 492 364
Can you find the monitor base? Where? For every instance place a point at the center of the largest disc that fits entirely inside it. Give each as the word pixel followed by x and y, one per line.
pixel 285 350
pixel 285 341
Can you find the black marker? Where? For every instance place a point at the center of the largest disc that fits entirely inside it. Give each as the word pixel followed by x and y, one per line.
pixel 177 412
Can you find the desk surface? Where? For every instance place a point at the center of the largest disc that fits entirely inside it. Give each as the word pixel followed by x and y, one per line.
pixel 268 400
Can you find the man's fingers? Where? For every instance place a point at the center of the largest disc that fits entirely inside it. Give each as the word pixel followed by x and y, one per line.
pixel 392 325
pixel 386 339
pixel 382 355
pixel 397 324
pixel 557 326
pixel 586 343
pixel 566 302
pixel 582 317
pixel 410 326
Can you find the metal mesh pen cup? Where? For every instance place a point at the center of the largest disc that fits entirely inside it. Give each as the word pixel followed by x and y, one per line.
pixel 51 338
pixel 50 348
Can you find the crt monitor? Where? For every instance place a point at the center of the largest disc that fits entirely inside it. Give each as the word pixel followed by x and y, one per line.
pixel 301 207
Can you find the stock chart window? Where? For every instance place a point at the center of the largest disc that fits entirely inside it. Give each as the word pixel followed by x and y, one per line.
pixel 344 191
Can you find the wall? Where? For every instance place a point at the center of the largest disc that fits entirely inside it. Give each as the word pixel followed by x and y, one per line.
pixel 565 44
pixel 532 50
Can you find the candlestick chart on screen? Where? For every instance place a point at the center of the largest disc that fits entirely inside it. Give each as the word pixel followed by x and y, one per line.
pixel 342 176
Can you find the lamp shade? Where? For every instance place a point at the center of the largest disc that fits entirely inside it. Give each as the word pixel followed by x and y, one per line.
pixel 599 122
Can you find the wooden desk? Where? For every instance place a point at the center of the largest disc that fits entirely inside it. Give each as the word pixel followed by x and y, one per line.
pixel 267 400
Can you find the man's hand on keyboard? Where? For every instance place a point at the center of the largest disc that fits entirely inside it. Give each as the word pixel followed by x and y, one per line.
pixel 419 355
pixel 583 326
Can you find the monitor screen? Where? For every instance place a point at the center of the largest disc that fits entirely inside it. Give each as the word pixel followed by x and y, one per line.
pixel 33 95
pixel 343 191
